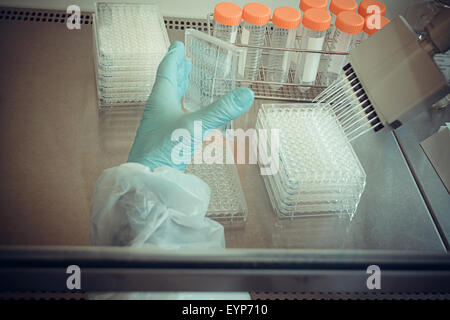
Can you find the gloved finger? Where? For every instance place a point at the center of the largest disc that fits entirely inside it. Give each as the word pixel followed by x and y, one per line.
pixel 184 78
pixel 166 76
pixel 227 108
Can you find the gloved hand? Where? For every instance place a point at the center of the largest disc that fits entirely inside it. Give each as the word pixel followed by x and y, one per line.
pixel 163 114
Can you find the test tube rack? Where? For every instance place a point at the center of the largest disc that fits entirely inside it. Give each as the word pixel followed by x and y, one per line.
pixel 289 91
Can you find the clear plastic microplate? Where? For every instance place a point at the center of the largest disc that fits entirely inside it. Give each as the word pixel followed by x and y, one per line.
pixel 227 202
pixel 216 65
pixel 129 31
pixel 317 126
pixel 118 93
pixel 129 41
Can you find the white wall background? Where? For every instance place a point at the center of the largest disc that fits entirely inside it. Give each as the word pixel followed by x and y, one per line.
pixel 186 8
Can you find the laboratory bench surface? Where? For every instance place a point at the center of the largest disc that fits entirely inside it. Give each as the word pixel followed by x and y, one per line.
pixel 55 143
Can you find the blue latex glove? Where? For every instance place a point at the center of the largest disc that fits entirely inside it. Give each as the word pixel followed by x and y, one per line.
pixel 163 114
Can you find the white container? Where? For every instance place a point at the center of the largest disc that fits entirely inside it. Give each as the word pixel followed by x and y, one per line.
pixel 286 20
pixel 315 25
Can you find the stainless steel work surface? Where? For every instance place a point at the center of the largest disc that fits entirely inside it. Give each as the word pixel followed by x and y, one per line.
pixel 411 134
pixel 391 213
pixel 55 144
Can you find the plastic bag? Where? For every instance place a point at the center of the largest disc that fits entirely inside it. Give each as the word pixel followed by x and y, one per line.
pixel 133 206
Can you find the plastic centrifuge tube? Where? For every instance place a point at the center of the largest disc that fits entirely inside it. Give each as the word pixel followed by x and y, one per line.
pixel 255 16
pixel 286 21
pixel 348 31
pixel 227 17
pixel 370 26
pixel 306 5
pixel 316 23
pixel 336 7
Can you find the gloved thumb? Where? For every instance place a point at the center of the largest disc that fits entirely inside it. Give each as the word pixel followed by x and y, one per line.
pixel 227 108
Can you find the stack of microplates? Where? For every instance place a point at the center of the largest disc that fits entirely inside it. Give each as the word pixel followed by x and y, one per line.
pixel 130 41
pixel 318 172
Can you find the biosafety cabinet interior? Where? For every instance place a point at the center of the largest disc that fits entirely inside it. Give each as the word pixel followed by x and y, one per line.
pixel 58 134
